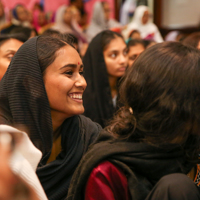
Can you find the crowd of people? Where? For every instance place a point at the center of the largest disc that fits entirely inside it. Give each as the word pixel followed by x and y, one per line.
pixel 97 110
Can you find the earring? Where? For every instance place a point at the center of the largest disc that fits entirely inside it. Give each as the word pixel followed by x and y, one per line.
pixel 131 110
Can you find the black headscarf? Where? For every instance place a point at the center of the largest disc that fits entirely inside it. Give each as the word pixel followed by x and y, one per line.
pixel 97 98
pixel 143 164
pixel 23 101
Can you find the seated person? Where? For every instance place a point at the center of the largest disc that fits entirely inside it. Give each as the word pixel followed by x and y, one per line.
pixel 153 141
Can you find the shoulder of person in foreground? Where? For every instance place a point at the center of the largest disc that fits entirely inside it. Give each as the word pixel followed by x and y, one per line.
pixel 89 129
pixel 107 182
pixel 23 160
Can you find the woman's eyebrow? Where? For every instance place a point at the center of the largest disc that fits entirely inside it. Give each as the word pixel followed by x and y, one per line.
pixel 71 65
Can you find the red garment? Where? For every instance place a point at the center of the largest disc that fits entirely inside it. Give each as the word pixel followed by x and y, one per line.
pixel 107 182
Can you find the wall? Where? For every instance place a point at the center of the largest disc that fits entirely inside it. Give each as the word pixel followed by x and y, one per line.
pixel 180 13
pixel 53 5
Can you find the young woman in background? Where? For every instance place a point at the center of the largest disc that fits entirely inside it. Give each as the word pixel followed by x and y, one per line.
pixel 105 62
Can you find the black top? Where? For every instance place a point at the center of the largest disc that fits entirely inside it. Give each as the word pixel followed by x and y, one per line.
pixel 97 98
pixel 143 164
pixel 23 101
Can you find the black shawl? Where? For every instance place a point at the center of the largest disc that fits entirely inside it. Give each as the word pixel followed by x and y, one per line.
pixel 97 98
pixel 142 164
pixel 23 101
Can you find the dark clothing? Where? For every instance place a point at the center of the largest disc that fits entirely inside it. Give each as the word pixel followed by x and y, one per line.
pixel 97 98
pixel 174 187
pixel 108 182
pixel 23 101
pixel 143 164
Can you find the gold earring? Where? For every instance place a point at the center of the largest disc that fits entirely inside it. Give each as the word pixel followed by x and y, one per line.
pixel 130 110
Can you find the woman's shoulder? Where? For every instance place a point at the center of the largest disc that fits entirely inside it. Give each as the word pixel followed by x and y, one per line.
pixel 107 168
pixel 89 129
pixel 87 122
pixel 107 176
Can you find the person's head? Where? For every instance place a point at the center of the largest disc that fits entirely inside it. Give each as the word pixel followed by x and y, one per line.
pixel 141 15
pixel 115 53
pixel 67 17
pixel 28 32
pixel 20 13
pixel 161 98
pixel 135 34
pixel 145 17
pixel 106 8
pixel 9 44
pixel 135 48
pixel 76 14
pixel 51 32
pixel 41 18
pixel 62 71
pixel 149 43
pixel 193 40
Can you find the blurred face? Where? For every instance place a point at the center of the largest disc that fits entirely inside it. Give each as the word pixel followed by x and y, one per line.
pixel 133 53
pixel 68 15
pixel 106 8
pixel 22 13
pixel 65 84
pixel 41 19
pixel 115 56
pixel 76 15
pixel 1 10
pixel 145 17
pixel 7 51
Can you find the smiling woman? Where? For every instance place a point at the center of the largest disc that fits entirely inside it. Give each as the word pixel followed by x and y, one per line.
pixel 42 90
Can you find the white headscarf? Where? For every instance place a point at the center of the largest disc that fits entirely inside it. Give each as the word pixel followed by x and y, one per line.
pixel 98 22
pixel 146 30
pixel 62 27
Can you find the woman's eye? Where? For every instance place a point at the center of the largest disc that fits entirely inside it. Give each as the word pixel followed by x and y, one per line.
pixel 81 73
pixel 69 73
pixel 133 57
pixel 113 55
pixel 125 53
pixel 10 57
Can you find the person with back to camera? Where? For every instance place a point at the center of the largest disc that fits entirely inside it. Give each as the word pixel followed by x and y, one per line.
pixel 42 90
pixel 154 140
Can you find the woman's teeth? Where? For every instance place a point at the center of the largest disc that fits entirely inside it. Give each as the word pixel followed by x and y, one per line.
pixel 75 96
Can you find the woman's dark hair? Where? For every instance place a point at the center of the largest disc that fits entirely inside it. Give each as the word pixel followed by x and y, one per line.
pixel 25 30
pixel 134 42
pixel 132 32
pixel 108 36
pixel 161 98
pixel 51 32
pixel 18 36
pixel 192 40
pixel 47 48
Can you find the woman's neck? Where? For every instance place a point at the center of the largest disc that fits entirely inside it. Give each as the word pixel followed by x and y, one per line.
pixel 56 121
pixel 113 85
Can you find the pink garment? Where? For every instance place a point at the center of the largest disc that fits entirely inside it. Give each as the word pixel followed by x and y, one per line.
pixel 107 182
pixel 36 20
